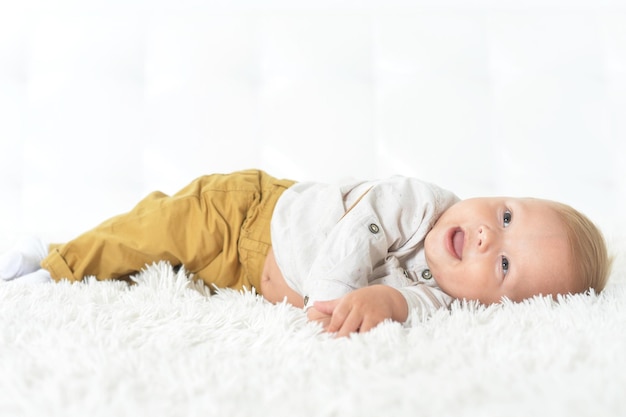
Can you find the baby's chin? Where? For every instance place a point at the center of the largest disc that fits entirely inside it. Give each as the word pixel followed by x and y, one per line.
pixel 430 249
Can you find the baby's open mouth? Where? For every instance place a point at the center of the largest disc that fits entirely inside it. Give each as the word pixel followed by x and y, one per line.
pixel 457 240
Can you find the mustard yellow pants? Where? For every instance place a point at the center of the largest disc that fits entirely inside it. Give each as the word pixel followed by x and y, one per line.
pixel 217 227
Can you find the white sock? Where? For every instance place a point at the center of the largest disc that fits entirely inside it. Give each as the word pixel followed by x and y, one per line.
pixel 40 276
pixel 23 258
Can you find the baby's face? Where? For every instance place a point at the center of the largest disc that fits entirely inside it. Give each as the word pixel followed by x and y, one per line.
pixel 488 248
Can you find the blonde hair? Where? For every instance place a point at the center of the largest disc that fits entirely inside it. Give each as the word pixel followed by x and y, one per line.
pixel 591 260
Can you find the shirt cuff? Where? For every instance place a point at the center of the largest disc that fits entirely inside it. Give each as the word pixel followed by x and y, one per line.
pixel 423 301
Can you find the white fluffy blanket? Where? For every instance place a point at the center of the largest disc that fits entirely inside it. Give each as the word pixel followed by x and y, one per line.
pixel 163 348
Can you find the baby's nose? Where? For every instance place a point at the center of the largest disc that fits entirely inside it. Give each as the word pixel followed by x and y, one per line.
pixel 484 238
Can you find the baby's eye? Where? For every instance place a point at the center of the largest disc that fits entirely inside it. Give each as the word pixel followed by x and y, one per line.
pixel 506 218
pixel 505 265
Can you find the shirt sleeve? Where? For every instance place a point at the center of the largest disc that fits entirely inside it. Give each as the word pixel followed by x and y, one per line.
pixel 423 301
pixel 362 239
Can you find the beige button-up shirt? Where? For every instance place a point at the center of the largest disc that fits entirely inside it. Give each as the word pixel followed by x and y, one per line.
pixel 329 240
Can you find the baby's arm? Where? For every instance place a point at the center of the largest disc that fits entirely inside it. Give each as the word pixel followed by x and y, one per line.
pixel 360 310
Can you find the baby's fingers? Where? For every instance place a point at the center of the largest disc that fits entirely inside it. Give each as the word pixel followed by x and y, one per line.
pixel 344 324
pixel 326 307
pixel 325 322
pixel 368 324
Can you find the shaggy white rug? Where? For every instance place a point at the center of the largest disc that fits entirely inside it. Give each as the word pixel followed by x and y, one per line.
pixel 166 348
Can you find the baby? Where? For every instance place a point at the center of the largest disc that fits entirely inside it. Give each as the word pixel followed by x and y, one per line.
pixel 352 255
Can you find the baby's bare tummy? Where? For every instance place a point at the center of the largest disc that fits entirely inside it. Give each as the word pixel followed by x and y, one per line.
pixel 274 288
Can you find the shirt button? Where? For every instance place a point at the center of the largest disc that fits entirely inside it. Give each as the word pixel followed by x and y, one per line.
pixel 426 274
pixel 374 228
pixel 406 273
pixel 306 300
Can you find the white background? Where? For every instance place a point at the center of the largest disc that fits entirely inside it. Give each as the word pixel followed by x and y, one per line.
pixel 102 101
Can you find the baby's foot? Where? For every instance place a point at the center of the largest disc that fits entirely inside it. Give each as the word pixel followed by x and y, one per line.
pixel 22 259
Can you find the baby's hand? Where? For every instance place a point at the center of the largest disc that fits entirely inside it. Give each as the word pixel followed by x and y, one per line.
pixel 314 314
pixel 361 310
